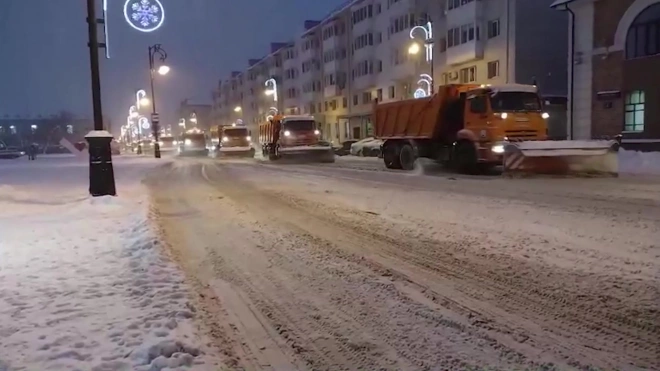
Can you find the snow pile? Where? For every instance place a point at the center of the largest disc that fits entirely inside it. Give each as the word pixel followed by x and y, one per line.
pixel 84 284
pixel 633 162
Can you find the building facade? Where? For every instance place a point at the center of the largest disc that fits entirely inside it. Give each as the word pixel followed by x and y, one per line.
pixel 192 115
pixel 392 50
pixel 615 60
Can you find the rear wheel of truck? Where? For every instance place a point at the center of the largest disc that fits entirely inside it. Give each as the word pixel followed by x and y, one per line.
pixel 391 156
pixel 464 158
pixel 407 157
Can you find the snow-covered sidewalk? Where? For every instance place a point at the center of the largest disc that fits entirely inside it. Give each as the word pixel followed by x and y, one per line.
pixel 84 283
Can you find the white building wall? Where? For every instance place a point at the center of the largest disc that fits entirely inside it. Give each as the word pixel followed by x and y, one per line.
pixel 582 69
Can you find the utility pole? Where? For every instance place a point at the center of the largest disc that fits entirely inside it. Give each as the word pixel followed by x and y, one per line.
pixel 101 173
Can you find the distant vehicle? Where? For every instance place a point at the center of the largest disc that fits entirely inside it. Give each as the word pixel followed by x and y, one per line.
pixel 290 136
pixel 193 143
pixel 235 141
pixel 10 153
pixel 168 144
pixel 345 148
pixel 367 147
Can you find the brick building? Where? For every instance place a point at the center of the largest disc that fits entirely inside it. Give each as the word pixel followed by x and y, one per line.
pixel 614 63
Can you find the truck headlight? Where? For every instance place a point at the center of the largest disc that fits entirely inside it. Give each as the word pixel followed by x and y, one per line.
pixel 287 133
pixel 225 139
pixel 498 148
pixel 316 132
pixel 187 142
pixel 248 138
pixel 175 142
pixel 545 115
pixel 160 143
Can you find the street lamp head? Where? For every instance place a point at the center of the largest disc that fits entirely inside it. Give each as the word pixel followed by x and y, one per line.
pixel 163 70
pixel 238 109
pixel 413 49
pixel 134 114
pixel 270 92
pixel 144 101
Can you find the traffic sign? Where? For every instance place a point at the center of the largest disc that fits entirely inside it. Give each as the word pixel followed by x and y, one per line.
pixel 155 118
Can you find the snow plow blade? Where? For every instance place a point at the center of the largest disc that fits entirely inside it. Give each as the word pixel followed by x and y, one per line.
pixel 308 154
pixel 567 157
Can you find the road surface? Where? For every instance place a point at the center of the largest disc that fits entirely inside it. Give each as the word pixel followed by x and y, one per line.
pixel 344 266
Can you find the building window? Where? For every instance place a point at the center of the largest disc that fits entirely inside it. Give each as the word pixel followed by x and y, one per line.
pixel 391 92
pixel 493 28
pixel 634 108
pixel 468 74
pixel 643 38
pixel 379 95
pixel 366 98
pixel 493 69
pixel 355 100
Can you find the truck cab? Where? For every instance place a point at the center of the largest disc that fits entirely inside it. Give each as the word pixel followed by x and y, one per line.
pixel 235 140
pixel 298 131
pixel 193 142
pixel 494 114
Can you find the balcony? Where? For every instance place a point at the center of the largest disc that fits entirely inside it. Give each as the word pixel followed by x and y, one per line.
pixel 467 52
pixel 464 14
pixel 331 91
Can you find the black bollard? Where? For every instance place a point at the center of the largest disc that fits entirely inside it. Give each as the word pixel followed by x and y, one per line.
pixel 101 173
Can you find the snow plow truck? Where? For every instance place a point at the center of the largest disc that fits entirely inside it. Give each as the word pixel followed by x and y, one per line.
pixel 234 140
pixel 470 128
pixel 294 137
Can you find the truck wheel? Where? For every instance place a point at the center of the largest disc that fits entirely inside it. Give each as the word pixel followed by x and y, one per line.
pixel 407 157
pixel 464 158
pixel 391 156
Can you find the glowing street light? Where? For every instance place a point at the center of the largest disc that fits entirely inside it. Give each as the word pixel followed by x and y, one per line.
pixel 414 49
pixel 427 30
pixel 163 70
pixel 193 118
pixel 238 109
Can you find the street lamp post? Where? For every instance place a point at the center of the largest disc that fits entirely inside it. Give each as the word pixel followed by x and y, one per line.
pixel 427 30
pixel 101 173
pixel 163 70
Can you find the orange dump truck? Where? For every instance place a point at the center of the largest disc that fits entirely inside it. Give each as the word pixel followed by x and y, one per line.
pixel 470 128
pixel 292 136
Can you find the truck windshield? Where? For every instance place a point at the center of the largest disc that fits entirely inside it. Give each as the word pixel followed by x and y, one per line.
pixel 515 101
pixel 302 125
pixel 195 138
pixel 235 133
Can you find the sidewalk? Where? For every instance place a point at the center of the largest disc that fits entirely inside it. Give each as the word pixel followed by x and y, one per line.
pixel 84 283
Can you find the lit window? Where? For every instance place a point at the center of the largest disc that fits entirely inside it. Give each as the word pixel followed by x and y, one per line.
pixel 634 112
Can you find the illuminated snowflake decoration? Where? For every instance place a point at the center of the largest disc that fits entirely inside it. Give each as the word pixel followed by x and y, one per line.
pixel 144 15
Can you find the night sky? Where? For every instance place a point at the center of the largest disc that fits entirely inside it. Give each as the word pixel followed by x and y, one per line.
pixel 44 60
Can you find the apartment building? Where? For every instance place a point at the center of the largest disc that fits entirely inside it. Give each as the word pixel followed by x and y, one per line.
pixel 399 49
pixel 614 60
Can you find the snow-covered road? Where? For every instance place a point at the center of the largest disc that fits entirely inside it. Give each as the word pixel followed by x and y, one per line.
pixel 342 266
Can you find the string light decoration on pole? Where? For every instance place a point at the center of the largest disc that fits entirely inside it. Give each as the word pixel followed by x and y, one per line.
pixel 427 30
pixel 144 15
pixel 162 70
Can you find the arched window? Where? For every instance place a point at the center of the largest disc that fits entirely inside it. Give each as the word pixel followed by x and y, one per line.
pixel 644 34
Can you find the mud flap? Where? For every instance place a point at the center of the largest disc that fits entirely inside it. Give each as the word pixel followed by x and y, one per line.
pixel 568 158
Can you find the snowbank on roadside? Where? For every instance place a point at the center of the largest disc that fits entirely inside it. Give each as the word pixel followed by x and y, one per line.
pixel 633 162
pixel 84 284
